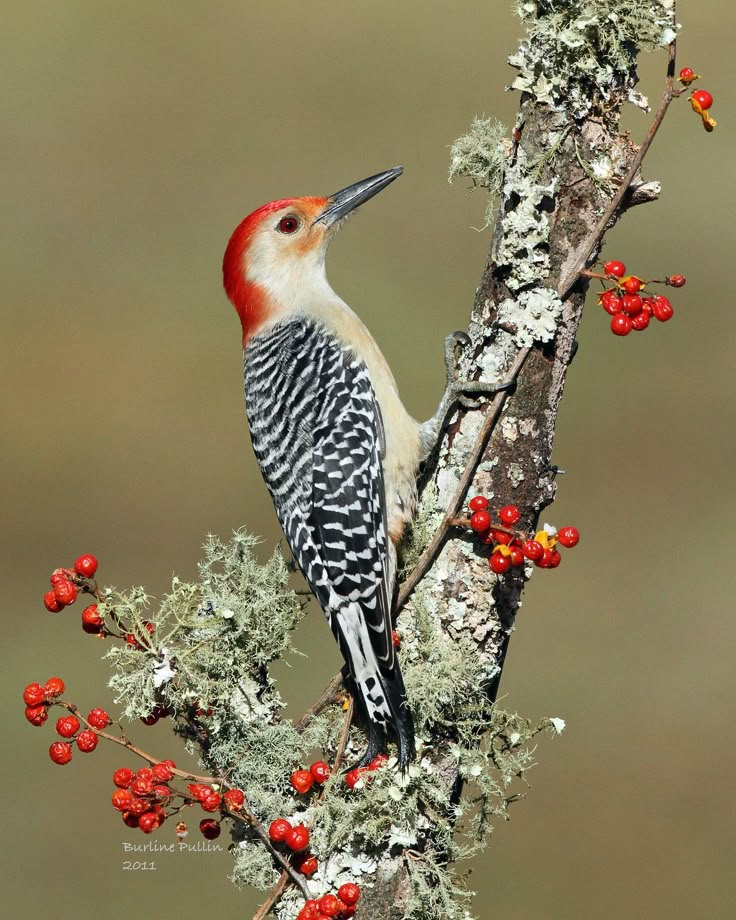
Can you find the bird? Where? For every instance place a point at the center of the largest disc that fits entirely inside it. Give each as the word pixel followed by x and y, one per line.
pixel 338 450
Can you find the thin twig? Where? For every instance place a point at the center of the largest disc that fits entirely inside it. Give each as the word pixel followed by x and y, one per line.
pixel 456 502
pixel 265 908
pixel 343 742
pixel 327 696
pixel 584 252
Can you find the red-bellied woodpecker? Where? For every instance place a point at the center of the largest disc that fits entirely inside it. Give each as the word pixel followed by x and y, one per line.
pixel 337 449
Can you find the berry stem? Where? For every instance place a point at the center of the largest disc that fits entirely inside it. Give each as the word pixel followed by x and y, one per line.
pixel 123 742
pixel 465 524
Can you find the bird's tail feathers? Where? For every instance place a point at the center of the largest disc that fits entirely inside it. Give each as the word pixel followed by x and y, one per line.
pixel 380 693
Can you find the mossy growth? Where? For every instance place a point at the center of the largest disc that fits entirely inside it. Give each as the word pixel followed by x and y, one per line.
pixel 204 653
pixel 480 155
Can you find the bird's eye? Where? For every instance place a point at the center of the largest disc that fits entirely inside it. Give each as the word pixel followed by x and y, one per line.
pixel 288 224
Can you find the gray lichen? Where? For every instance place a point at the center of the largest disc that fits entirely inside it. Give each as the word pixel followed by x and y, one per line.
pixel 534 315
pixel 579 54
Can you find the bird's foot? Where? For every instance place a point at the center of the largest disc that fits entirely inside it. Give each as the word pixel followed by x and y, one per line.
pixel 460 391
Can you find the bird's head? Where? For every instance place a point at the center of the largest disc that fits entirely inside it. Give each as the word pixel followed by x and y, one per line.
pixel 274 264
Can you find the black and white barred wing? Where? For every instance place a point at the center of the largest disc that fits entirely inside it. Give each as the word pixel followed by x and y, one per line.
pixel 317 434
pixel 349 516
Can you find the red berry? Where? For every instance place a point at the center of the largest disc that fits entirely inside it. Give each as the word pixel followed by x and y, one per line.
pixel 209 828
pixel 532 549
pixel 142 785
pixel 480 521
pixel 612 303
pixel 234 799
pixel 161 792
pixel 320 771
pixel 676 280
pixel 640 322
pixel 517 556
pixel 279 829
pixel 632 304
pixel 60 752
pixel 67 726
pixel 59 575
pixel 353 776
pixel 632 284
pixel 149 821
pixel 200 791
pixel 498 536
pixel 308 866
pixel 54 686
pixel 65 591
pixel 544 560
pixel 86 565
pixel 162 772
pixel 555 559
pixel 51 603
pixel 499 563
pixel 145 773
pixel 621 324
pixel 129 819
pixel 34 695
pixel 37 715
pixel 302 781
pixel 686 74
pixel 662 309
pixel 151 719
pixel 87 741
pixel 479 503
pixel 615 269
pixel 703 98
pixel 568 536
pixel 509 515
pixel 395 638
pixel 212 802
pixel 121 799
pixel 169 763
pixel 378 761
pixel 138 806
pixel 91 619
pixel 330 905
pixel 98 718
pixel 297 838
pixel 349 893
pixel 123 777
pixel 310 911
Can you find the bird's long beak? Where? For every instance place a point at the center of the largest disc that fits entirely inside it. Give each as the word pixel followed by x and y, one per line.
pixel 347 199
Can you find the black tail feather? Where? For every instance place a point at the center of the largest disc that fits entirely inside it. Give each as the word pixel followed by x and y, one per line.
pixel 401 724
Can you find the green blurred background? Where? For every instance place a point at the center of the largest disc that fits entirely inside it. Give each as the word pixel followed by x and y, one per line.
pixel 133 137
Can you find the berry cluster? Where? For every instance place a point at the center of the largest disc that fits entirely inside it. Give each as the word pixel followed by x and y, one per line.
pixel 511 548
pixel 701 100
pixel 303 780
pixel 66 583
pixel 39 699
pixel 627 303
pixel 329 906
pixel 145 798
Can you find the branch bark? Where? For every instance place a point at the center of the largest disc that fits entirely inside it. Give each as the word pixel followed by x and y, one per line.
pixel 505 449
